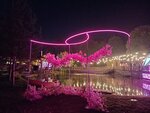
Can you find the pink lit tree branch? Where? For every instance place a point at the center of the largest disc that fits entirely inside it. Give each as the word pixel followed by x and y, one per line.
pixel 59 62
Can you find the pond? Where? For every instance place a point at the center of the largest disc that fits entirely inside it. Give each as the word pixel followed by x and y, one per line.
pixel 117 85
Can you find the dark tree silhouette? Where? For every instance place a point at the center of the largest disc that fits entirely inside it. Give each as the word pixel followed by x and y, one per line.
pixel 140 39
pixel 118 45
pixel 18 27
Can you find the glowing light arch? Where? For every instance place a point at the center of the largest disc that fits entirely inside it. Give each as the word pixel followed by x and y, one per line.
pixel 61 44
pixel 77 43
pixel 79 34
pixel 94 31
pixel 46 43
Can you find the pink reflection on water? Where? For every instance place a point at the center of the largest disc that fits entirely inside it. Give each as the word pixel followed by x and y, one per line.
pixel 146 75
pixel 146 86
pixel 124 86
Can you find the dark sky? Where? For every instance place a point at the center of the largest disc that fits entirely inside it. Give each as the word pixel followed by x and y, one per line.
pixel 62 18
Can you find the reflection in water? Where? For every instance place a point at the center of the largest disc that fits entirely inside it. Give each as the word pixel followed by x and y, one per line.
pixel 146 75
pixel 125 86
pixel 146 86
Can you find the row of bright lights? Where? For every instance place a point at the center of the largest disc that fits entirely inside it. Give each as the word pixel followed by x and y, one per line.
pixel 17 62
pixel 111 88
pixel 128 57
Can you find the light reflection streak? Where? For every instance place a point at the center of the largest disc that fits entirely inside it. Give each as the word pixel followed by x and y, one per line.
pixel 118 86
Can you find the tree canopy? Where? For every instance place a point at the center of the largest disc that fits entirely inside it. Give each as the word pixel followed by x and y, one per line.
pixel 18 27
pixel 140 39
pixel 118 45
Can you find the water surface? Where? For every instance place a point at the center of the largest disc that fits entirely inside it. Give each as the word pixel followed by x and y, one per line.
pixel 118 85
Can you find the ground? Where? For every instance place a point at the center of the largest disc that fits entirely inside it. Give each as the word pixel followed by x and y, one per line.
pixel 12 101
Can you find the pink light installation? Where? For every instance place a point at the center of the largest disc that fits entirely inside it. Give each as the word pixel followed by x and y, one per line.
pixel 59 62
pixel 46 43
pixel 79 34
pixel 77 43
pixel 94 31
pixel 61 44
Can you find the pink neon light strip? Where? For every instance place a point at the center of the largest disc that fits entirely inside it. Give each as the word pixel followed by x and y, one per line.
pixel 95 31
pixel 77 43
pixel 45 43
pixel 117 31
pixel 79 34
pixel 62 44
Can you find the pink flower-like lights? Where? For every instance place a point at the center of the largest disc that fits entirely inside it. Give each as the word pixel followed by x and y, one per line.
pixel 58 62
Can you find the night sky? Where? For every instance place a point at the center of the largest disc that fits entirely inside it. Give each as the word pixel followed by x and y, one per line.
pixel 60 18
